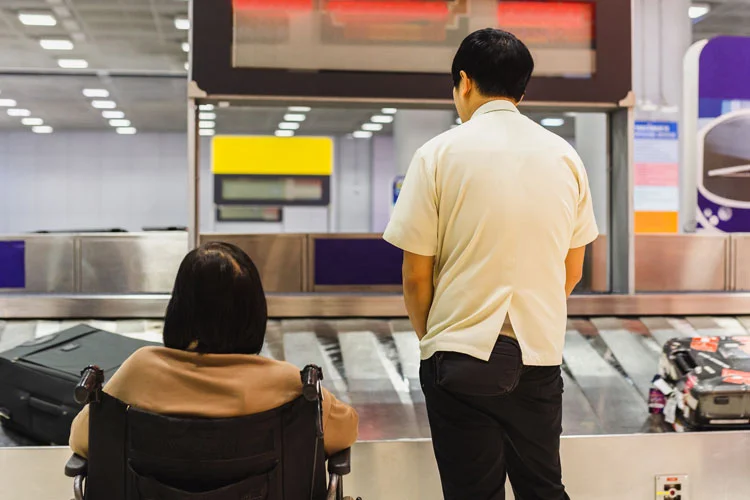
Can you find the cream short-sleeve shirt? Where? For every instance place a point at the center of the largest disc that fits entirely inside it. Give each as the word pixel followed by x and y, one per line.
pixel 499 201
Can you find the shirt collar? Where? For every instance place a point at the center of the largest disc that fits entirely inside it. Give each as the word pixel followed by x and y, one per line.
pixel 495 105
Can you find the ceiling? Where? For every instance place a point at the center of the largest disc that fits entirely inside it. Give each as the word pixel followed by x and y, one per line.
pixel 726 17
pixel 139 38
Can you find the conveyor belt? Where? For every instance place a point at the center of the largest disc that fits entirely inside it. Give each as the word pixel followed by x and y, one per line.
pixel 374 365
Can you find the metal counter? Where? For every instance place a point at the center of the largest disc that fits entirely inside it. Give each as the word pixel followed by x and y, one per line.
pixel 320 305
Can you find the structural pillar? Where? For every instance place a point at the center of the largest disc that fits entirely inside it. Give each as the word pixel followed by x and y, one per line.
pixel 414 127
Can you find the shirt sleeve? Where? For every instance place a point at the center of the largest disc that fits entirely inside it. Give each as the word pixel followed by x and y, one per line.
pixel 585 229
pixel 340 424
pixel 414 223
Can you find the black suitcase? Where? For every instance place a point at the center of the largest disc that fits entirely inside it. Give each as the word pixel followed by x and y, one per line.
pixel 37 379
pixel 710 378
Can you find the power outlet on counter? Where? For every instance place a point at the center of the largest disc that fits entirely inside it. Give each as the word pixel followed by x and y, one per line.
pixel 672 487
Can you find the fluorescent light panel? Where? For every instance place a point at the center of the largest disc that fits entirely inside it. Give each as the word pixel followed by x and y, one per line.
pixel 56 44
pixel 19 112
pixel 204 115
pixel 96 92
pixel 37 19
pixel 182 23
pixel 206 124
pixel 284 133
pixel 382 119
pixel 553 122
pixel 73 63
pixel 294 117
pixel 113 114
pixel 299 109
pixel 119 122
pixel 206 107
pixel 42 129
pixel 185 47
pixel 362 134
pixel 698 10
pixel 372 127
pixel 288 126
pixel 98 104
pixel 389 111
pixel 126 130
pixel 7 103
pixel 32 121
pixel 207 131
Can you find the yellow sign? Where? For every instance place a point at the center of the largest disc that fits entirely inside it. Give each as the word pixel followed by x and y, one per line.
pixel 272 155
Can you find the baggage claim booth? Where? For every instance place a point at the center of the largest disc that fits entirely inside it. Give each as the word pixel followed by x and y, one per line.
pixel 302 118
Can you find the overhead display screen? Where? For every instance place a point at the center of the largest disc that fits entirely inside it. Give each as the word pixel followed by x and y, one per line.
pixel 407 35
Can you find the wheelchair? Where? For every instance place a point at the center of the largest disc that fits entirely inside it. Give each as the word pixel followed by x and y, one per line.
pixel 138 455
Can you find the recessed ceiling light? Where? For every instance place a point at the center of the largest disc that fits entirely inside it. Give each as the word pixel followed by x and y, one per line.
pixel 119 122
pixel 206 107
pixel 187 66
pixel 104 104
pixel 73 63
pixel 207 131
pixel 372 127
pixel 113 114
pixel 206 124
pixel 7 103
pixel 182 23
pixel 205 115
pixel 32 121
pixel 42 129
pixel 382 119
pixel 288 126
pixel 458 121
pixel 284 133
pixel 19 112
pixel 362 134
pixel 56 44
pixel 37 19
pixel 126 130
pixel 185 47
pixel 224 104
pixel 299 109
pixel 96 92
pixel 389 111
pixel 294 117
pixel 698 10
pixel 553 122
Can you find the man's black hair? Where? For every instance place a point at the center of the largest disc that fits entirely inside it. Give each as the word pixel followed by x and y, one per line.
pixel 498 62
pixel 217 305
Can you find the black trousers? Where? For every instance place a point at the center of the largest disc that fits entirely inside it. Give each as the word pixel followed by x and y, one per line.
pixel 492 419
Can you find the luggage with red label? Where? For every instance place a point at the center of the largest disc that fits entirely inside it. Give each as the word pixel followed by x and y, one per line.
pixel 709 378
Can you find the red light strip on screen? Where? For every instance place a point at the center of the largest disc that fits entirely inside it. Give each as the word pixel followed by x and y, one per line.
pixel 275 5
pixel 569 16
pixel 411 9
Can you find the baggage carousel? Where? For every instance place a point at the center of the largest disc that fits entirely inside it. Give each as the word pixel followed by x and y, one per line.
pixel 373 364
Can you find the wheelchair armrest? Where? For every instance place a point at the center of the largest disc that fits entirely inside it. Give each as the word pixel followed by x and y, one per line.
pixel 341 462
pixel 76 466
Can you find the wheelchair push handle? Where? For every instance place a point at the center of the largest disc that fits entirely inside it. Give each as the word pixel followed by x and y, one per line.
pixel 312 375
pixel 92 378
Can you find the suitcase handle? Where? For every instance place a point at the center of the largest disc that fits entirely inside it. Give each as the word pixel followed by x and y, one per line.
pixel 684 361
pixel 46 407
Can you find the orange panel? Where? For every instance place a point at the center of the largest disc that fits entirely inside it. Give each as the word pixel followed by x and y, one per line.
pixel 656 222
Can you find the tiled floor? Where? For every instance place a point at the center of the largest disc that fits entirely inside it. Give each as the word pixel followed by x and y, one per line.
pixel 374 365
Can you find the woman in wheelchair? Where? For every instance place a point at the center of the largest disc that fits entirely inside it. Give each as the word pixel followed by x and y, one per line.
pixel 210 365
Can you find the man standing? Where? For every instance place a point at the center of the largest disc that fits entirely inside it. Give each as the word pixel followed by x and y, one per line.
pixel 493 217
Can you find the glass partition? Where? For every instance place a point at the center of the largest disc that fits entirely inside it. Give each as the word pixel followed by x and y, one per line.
pixel 330 169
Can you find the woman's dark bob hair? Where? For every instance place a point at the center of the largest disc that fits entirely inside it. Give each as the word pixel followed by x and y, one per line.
pixel 217 305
